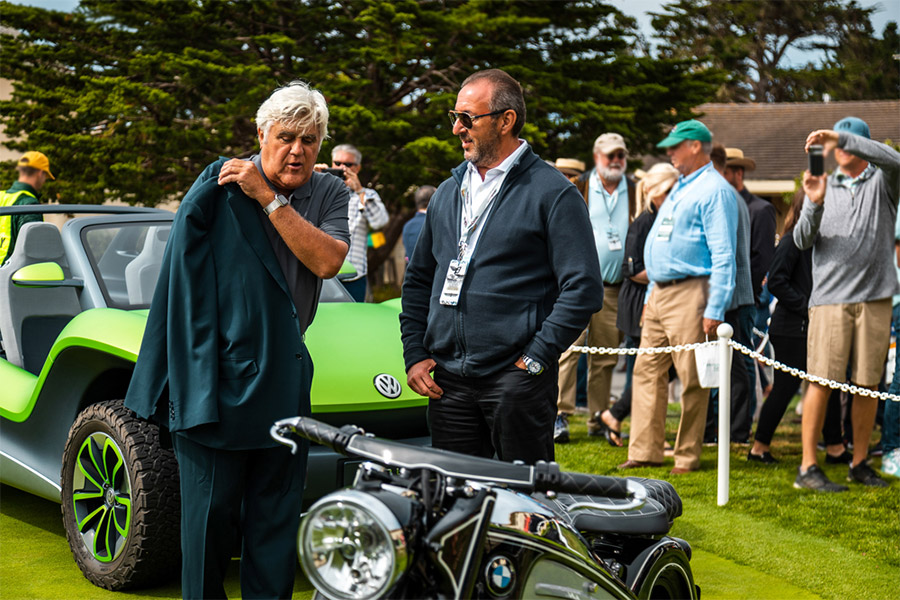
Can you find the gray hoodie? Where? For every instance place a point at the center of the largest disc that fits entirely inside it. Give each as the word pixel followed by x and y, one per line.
pixel 852 234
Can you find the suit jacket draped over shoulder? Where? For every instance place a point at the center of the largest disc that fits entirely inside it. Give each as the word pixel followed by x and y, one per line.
pixel 222 356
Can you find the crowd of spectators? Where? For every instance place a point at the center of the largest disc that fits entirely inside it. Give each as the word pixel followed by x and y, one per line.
pixel 701 249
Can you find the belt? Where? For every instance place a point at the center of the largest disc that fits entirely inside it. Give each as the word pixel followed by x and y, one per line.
pixel 665 284
pixel 612 285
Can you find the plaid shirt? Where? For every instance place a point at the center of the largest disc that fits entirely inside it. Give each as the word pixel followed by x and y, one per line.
pixel 374 216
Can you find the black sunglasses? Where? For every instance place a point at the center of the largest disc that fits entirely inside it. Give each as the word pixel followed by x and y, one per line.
pixel 467 120
pixel 338 163
pixel 617 154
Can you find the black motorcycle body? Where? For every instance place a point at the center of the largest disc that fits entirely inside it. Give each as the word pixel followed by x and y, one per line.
pixel 427 523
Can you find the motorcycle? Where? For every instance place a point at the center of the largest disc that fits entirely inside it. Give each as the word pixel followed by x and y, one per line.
pixel 428 523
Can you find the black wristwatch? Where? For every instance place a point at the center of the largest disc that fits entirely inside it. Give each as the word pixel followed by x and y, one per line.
pixel 532 366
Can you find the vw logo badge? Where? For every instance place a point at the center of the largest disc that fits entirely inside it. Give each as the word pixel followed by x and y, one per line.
pixel 500 575
pixel 387 385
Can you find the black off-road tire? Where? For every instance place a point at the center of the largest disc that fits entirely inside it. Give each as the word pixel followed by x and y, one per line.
pixel 120 490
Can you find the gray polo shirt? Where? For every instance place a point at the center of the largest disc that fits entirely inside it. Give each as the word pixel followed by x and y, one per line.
pixel 323 202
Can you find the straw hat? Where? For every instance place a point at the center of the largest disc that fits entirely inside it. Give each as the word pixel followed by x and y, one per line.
pixel 734 157
pixel 570 166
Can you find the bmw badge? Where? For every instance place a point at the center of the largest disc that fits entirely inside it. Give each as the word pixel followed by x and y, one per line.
pixel 500 576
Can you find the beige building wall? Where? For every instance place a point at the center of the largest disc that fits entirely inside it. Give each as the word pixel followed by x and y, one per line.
pixel 5 94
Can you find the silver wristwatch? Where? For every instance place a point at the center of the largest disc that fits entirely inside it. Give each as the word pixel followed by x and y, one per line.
pixel 275 204
pixel 532 366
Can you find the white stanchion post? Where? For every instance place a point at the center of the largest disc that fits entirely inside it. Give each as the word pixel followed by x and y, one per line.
pixel 724 331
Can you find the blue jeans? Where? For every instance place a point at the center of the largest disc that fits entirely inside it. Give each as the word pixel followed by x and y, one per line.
pixel 890 429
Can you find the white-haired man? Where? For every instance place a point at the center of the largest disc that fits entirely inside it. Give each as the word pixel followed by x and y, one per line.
pixel 223 355
pixel 610 199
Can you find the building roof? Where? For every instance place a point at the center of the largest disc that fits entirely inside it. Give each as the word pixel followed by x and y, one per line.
pixel 774 134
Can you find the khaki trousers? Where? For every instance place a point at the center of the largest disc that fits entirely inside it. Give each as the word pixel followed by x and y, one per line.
pixel 673 315
pixel 602 333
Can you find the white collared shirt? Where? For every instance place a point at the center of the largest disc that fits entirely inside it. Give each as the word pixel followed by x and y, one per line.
pixel 478 193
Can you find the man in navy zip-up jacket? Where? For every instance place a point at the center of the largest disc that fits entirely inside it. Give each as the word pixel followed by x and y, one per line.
pixel 504 279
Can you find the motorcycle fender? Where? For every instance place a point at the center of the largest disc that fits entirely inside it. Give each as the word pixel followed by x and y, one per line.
pixel 665 559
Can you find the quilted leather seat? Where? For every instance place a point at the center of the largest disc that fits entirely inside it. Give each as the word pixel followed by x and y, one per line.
pixel 655 518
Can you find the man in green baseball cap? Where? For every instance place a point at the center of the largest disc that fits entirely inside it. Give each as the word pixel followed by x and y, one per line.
pixel 686 130
pixel 689 257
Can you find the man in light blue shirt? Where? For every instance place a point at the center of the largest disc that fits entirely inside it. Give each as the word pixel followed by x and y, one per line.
pixel 689 255
pixel 609 195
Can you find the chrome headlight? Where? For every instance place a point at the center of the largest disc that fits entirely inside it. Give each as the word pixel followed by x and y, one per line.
pixel 352 546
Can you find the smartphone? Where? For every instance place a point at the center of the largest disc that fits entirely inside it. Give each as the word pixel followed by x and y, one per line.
pixel 816 160
pixel 336 172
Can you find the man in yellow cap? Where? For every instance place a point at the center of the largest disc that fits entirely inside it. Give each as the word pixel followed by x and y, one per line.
pixel 34 169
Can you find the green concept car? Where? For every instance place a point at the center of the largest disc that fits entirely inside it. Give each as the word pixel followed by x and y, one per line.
pixel 73 307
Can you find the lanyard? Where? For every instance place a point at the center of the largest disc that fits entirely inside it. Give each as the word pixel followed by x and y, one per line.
pixel 471 217
pixel 596 186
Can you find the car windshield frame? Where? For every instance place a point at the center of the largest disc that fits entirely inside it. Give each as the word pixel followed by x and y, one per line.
pixel 101 278
pixel 332 291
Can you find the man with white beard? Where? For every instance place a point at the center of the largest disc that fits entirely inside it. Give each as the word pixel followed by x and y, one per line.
pixel 610 198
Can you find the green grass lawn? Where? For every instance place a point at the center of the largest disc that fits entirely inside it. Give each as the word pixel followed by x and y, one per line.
pixel 769 542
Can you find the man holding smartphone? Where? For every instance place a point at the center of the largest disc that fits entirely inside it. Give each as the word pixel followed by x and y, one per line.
pixel 848 220
pixel 366 211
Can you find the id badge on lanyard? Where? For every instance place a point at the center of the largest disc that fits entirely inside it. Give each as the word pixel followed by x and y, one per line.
pixel 665 229
pixel 613 240
pixel 456 272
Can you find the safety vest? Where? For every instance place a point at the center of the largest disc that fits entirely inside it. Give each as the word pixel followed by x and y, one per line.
pixel 7 199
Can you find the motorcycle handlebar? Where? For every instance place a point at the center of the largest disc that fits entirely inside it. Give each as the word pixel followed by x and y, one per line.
pixel 315 431
pixel 548 477
pixel 542 477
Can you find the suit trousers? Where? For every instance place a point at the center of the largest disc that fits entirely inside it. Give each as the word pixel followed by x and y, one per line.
pixel 603 333
pixel 673 315
pixel 229 493
pixel 509 413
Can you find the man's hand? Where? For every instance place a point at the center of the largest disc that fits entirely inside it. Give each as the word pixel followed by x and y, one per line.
pixel 352 180
pixel 710 326
pixel 319 167
pixel 824 137
pixel 419 379
pixel 521 364
pixel 814 186
pixel 245 174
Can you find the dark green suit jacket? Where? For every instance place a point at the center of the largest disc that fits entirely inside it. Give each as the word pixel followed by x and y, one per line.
pixel 222 356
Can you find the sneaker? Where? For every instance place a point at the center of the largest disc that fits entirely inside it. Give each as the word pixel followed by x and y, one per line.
pixel 561 429
pixel 815 479
pixel 866 475
pixel 844 458
pixel 890 463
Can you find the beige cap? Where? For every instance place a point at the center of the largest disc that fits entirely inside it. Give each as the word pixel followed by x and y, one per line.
pixel 734 157
pixel 570 166
pixel 608 142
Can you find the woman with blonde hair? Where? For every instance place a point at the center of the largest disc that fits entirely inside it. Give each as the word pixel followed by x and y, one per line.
pixel 652 188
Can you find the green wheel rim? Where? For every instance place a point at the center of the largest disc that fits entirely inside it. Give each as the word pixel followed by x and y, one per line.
pixel 101 496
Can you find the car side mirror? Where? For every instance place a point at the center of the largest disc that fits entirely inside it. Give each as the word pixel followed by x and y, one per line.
pixel 45 274
pixel 348 271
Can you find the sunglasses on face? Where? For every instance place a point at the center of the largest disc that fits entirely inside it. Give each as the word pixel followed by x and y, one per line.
pixel 618 154
pixel 338 163
pixel 467 120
